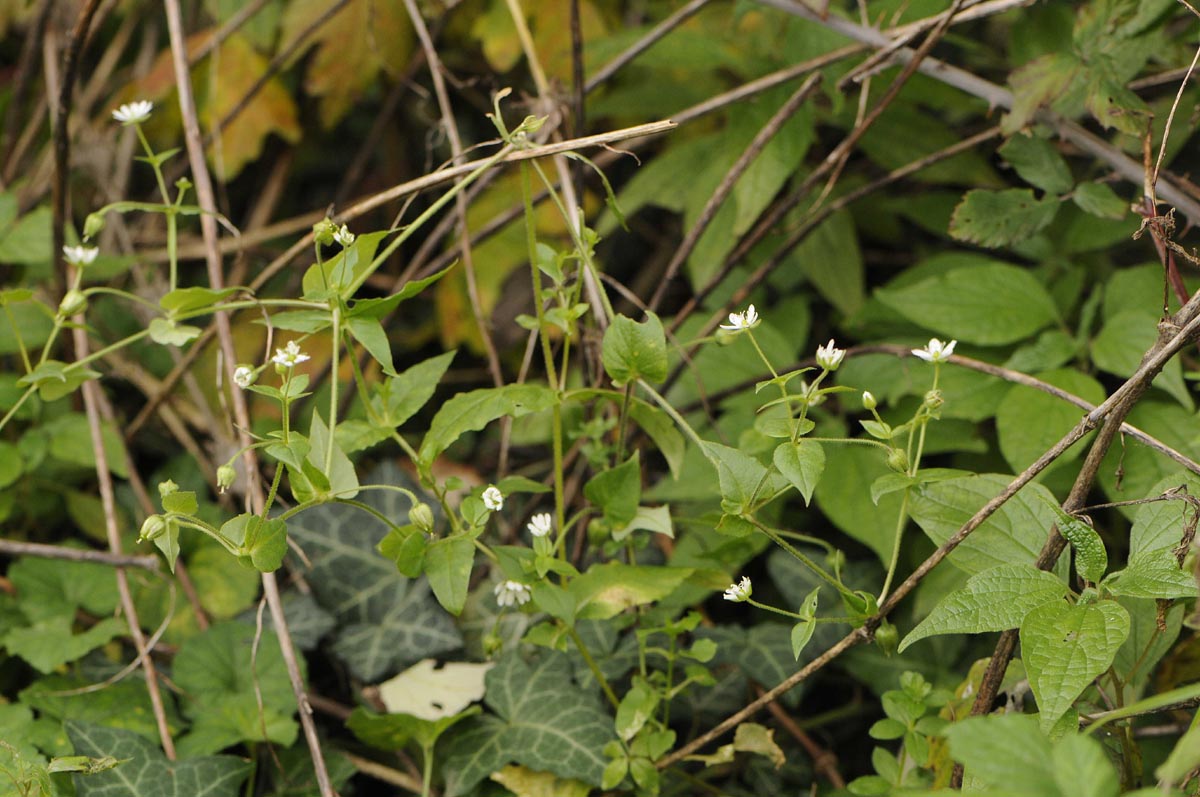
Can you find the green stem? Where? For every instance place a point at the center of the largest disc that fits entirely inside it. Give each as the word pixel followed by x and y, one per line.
pixel 622 419
pixel 538 297
pixel 427 769
pixel 807 562
pixel 13 410
pixel 784 612
pixel 334 381
pixel 591 663
pixel 901 522
pixel 669 410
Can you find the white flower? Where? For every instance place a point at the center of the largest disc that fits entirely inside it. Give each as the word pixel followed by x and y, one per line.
pixel 936 351
pixel 243 376
pixel 830 357
pixel 740 321
pixel 344 236
pixel 132 113
pixel 80 256
pixel 511 593
pixel 540 525
pixel 740 591
pixel 493 499
pixel 290 356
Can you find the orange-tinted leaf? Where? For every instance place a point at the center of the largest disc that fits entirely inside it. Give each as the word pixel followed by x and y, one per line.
pixel 352 47
pixel 550 23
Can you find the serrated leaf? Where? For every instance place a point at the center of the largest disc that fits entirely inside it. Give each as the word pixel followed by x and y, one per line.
pixel 801 464
pixel 384 621
pixel 49 643
pixel 1001 218
pixel 1029 421
pixel 996 599
pixel 1091 558
pixel 147 772
pixel 1038 163
pixel 635 350
pixel 992 304
pixel 1100 200
pixel 1153 574
pixel 1123 340
pixel 124 704
pixel 1065 647
pixel 542 720
pixel 474 410
pixel 49 588
pixel 214 669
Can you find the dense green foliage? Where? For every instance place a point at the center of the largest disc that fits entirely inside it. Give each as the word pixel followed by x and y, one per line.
pixel 458 432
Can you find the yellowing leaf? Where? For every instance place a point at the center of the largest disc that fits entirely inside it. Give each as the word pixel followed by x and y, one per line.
pixel 352 47
pixel 429 693
pixel 549 21
pixel 524 782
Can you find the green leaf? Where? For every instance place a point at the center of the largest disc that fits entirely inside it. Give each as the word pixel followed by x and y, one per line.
pixel 472 411
pixel 843 499
pixel 606 590
pixel 648 518
pixel 1013 534
pixel 993 600
pixel 1100 200
pixel 542 720
pixel 1082 769
pixel 182 502
pixel 170 333
pixel 339 271
pixel 617 492
pixel 185 300
pixel 1153 574
pixel 1121 343
pixel 801 464
pixel 634 351
pixel 636 708
pixel 378 308
pixel 343 480
pixel 448 565
pixel 1091 558
pixel 1038 163
pixel 1005 751
pixel 743 479
pixel 991 305
pixel 265 543
pixel 50 588
pixel 54 379
pixel 384 621
pixel 1001 218
pixel 146 772
pixel 401 396
pixel 215 669
pixel 49 643
pixel 802 632
pixel 1065 647
pixel 125 704
pixel 659 427
pixel 1029 421
pixel 370 333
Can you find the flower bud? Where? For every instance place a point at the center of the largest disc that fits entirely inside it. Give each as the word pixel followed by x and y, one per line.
pixel 73 302
pixel 226 476
pixel 243 376
pixel 934 399
pixel 152 528
pixel 421 516
pixel 166 488
pixel 324 231
pixel 92 225
pixel 888 638
pixel 897 460
pixel 869 402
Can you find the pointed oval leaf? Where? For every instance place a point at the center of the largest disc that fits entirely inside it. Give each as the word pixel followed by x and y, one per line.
pixel 801 464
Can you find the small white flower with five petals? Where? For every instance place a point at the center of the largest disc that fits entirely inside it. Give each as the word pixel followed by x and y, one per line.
pixel 741 321
pixel 511 593
pixel 829 356
pixel 133 113
pixel 80 256
pixel 541 525
pixel 289 356
pixel 344 236
pixel 936 351
pixel 740 591
pixel 493 499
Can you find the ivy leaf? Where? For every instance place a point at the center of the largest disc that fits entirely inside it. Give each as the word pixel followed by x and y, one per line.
pixel 617 492
pixel 993 600
pixel 215 670
pixel 384 621
pixel 468 412
pixel 146 772
pixel 448 564
pixel 542 720
pixel 802 464
pixel 634 351
pixel 1065 647
pixel 1000 218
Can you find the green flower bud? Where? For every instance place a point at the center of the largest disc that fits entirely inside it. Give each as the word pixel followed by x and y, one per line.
pixel 598 531
pixel 869 402
pixel 166 488
pixel 324 231
pixel 73 302
pixel 226 476
pixel 898 460
pixel 888 638
pixel 92 225
pixel 934 399
pixel 153 527
pixel 421 516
